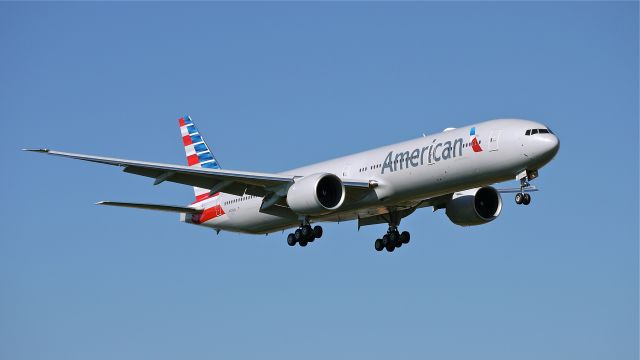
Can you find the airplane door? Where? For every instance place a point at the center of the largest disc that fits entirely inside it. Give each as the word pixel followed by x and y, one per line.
pixel 493 141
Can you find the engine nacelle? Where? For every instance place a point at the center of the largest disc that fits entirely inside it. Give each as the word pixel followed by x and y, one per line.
pixel 316 194
pixel 474 206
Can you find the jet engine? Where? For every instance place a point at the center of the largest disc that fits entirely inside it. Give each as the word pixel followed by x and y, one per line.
pixel 316 194
pixel 474 206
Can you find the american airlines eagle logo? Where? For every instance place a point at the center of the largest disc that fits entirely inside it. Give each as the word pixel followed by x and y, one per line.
pixel 474 140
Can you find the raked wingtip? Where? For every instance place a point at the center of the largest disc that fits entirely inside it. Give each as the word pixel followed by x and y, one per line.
pixel 37 150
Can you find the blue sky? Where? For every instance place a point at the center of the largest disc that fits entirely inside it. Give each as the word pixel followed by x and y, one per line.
pixel 278 85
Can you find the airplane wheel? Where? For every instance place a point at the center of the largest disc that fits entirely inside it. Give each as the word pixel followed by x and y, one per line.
pixel 291 240
pixel 298 235
pixel 378 245
pixel 393 236
pixel 390 247
pixel 385 240
pixel 405 237
pixel 519 198
pixel 399 243
pixel 307 231
pixel 302 243
pixel 527 199
pixel 317 231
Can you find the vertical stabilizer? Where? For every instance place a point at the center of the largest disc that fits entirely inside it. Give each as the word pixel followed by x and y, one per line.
pixel 197 151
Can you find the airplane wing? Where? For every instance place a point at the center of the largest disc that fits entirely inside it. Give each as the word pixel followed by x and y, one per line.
pixel 232 182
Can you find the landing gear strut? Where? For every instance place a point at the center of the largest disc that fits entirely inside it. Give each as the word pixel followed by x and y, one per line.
pixel 304 234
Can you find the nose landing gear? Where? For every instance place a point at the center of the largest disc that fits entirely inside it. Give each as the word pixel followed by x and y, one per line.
pixel 523 198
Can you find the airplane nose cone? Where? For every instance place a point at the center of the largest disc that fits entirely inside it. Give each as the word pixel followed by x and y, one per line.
pixel 553 145
pixel 549 145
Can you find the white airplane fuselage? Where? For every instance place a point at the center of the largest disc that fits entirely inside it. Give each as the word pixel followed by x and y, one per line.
pixel 406 173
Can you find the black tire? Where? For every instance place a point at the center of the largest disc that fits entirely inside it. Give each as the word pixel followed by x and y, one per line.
pixel 298 235
pixel 307 231
pixel 317 231
pixel 519 198
pixel 291 240
pixel 390 247
pixel 394 236
pixel 398 242
pixel 378 245
pixel 385 240
pixel 303 243
pixel 405 237
pixel 527 199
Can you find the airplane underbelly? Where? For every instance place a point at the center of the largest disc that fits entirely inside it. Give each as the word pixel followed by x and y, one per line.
pixel 248 219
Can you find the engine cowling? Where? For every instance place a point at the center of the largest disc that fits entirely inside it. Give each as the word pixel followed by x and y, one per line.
pixel 474 206
pixel 316 194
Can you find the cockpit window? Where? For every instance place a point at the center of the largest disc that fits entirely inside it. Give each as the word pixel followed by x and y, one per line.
pixel 538 131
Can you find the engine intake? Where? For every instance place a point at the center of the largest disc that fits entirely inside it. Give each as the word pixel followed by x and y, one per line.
pixel 474 206
pixel 316 194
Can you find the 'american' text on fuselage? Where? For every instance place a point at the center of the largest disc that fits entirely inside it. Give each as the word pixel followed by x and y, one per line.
pixel 434 153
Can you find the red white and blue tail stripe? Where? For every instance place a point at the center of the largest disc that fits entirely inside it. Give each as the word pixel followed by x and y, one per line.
pixel 197 151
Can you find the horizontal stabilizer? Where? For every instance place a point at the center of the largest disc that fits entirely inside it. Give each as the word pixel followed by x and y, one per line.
pixel 169 208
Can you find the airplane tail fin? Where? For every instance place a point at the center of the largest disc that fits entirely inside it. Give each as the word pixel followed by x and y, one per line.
pixel 197 151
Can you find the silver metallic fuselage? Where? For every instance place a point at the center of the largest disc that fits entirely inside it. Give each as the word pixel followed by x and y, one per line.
pixel 428 172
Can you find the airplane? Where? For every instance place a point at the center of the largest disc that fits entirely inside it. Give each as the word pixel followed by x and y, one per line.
pixel 453 170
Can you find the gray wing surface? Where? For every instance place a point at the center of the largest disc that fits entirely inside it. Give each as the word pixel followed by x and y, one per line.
pixel 228 181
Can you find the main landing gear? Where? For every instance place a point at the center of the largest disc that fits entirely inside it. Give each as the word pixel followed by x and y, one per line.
pixel 392 239
pixel 304 235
